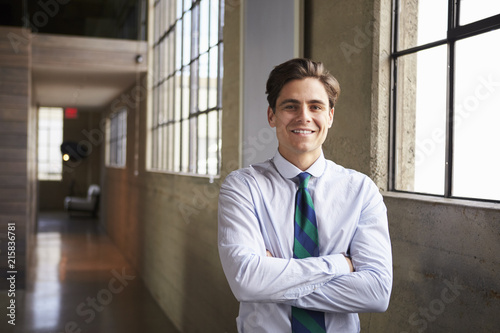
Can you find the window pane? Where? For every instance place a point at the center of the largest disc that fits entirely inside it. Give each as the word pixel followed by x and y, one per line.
pixel 202 144
pixel 170 147
pixel 477 118
pixel 421 121
pixel 214 22
pixel 178 95
pixel 186 92
pixel 179 7
pixel 185 146
pixel 474 10
pixel 213 142
pixel 187 75
pixel 164 143
pixel 177 146
pixel 213 68
pixel 204 24
pixel 178 46
pixel 421 22
pixel 203 92
pixel 186 26
pixel 117 145
pixel 187 4
pixel 194 86
pixel 50 137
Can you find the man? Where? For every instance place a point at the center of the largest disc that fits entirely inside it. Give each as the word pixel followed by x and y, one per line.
pixel 297 265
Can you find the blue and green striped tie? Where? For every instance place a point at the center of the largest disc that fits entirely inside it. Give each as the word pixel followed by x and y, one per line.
pixel 306 245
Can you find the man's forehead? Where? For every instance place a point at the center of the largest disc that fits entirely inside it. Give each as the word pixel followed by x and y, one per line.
pixel 308 88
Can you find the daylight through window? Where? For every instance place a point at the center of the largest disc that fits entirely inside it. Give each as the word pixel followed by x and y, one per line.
pixel 446 98
pixel 50 138
pixel 116 135
pixel 184 124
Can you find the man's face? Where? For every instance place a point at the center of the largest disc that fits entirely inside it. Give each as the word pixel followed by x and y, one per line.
pixel 302 120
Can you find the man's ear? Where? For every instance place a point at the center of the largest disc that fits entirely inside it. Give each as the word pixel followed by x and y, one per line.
pixel 330 115
pixel 271 117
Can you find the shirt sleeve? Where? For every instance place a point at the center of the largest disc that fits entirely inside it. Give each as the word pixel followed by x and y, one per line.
pixel 368 289
pixel 252 276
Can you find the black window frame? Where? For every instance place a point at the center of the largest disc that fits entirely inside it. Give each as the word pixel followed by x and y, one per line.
pixel 455 32
pixel 162 132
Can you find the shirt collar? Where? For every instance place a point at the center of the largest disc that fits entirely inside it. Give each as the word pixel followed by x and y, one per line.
pixel 289 171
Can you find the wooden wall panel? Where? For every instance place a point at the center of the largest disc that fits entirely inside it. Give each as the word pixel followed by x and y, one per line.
pixel 15 201
pixel 12 114
pixel 13 80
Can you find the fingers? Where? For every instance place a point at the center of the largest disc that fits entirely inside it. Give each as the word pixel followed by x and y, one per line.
pixel 349 262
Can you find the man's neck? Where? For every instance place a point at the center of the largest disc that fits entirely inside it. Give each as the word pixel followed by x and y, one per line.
pixel 302 161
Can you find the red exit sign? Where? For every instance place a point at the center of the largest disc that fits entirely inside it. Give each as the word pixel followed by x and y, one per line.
pixel 70 113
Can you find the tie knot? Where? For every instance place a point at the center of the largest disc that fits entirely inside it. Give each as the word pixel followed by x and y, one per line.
pixel 304 179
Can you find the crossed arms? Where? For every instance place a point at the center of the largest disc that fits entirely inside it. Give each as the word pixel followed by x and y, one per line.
pixel 329 283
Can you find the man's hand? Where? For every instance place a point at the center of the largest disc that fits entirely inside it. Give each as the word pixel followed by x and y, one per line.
pixel 268 254
pixel 349 262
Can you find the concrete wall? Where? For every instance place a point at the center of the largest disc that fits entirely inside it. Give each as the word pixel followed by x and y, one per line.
pixel 445 266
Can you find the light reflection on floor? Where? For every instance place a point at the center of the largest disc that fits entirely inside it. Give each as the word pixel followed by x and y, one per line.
pixel 79 282
pixel 46 286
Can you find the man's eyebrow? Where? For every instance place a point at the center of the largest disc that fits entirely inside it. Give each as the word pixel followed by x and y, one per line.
pixel 289 100
pixel 295 101
pixel 316 101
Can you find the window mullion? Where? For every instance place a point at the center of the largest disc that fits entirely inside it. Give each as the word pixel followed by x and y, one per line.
pixel 474 28
pixel 393 115
pixel 453 11
pixel 450 120
pixel 194 87
pixel 453 6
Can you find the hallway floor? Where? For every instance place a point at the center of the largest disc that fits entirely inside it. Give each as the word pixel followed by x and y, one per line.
pixel 79 282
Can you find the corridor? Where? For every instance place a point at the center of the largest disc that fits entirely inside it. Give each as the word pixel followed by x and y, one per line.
pixel 79 282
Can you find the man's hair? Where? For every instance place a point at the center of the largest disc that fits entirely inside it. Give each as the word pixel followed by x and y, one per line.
pixel 298 69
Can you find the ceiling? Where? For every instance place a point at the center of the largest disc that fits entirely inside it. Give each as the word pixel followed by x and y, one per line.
pixel 63 73
pixel 83 89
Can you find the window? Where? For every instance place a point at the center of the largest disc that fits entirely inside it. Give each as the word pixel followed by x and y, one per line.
pixel 184 123
pixel 50 138
pixel 445 98
pixel 116 139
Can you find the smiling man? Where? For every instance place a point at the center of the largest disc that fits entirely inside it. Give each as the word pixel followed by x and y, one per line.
pixel 304 242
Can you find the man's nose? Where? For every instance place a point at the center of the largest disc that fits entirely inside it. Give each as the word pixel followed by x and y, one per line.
pixel 304 114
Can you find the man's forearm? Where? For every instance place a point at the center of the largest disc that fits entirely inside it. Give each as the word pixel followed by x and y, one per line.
pixel 349 261
pixel 258 278
pixel 370 294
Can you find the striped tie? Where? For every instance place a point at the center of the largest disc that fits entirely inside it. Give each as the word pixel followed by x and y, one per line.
pixel 306 245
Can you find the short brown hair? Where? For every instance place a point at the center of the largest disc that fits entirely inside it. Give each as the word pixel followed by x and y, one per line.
pixel 298 69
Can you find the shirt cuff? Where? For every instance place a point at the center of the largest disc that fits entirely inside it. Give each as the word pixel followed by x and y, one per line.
pixel 340 264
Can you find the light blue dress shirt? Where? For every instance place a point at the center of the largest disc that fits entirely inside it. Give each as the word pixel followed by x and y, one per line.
pixel 256 213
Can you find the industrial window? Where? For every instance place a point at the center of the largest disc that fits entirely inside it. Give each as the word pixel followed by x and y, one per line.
pixel 116 139
pixel 50 138
pixel 445 98
pixel 184 123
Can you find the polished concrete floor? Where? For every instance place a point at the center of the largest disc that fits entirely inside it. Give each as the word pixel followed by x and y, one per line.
pixel 79 282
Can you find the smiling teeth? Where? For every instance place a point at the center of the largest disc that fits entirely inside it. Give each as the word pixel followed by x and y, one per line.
pixel 302 132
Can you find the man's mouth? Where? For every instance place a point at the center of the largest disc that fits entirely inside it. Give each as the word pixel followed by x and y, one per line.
pixel 302 131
